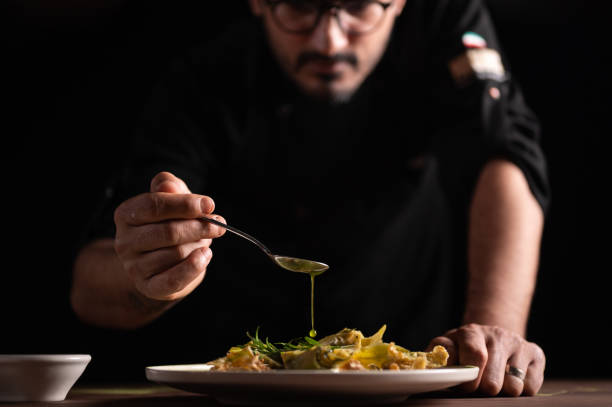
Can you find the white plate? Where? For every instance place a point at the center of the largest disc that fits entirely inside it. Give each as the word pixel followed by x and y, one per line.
pixel 302 387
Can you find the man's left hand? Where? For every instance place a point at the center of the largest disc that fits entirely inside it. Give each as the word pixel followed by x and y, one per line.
pixel 508 363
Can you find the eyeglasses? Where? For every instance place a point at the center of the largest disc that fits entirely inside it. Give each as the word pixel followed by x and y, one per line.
pixel 355 17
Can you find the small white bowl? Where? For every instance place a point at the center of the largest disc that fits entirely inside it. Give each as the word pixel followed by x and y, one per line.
pixel 39 377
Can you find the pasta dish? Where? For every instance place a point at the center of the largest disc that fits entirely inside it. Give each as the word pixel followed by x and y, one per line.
pixel 346 350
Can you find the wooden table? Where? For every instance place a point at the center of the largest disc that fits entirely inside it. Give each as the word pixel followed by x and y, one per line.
pixel 554 393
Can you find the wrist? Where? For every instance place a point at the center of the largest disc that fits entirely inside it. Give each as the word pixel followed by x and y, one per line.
pixel 489 316
pixel 147 309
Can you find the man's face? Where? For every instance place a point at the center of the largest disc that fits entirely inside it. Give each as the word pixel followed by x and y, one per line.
pixel 331 61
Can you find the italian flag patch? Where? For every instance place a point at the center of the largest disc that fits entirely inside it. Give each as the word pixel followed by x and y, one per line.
pixel 472 40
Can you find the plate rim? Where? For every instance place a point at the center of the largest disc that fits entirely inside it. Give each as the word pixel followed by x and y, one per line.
pixel 310 372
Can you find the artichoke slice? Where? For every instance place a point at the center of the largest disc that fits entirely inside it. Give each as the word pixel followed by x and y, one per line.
pixel 300 359
pixel 345 337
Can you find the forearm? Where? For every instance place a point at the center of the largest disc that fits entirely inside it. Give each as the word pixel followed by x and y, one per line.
pixel 505 230
pixel 102 293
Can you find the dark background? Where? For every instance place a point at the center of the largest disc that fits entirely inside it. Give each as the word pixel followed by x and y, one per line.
pixel 74 76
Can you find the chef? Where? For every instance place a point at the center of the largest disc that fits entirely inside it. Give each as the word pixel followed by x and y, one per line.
pixel 386 138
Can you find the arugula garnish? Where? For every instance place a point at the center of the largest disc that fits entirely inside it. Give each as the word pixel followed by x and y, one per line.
pixel 273 350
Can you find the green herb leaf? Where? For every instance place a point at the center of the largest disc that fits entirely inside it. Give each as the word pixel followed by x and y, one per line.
pixel 311 341
pixel 273 350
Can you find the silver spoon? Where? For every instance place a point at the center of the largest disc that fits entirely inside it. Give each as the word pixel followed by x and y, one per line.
pixel 289 263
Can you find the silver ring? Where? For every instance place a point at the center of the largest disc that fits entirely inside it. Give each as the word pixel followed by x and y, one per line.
pixel 516 372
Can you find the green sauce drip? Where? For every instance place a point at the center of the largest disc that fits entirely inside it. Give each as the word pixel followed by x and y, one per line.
pixel 312 332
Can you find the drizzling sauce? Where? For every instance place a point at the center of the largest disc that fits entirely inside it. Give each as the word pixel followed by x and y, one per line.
pixel 313 268
pixel 313 274
pixel 312 332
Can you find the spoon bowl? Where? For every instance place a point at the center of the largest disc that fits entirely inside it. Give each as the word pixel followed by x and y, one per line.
pixel 294 264
pixel 300 265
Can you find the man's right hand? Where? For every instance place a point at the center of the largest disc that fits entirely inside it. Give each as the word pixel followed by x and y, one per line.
pixel 162 244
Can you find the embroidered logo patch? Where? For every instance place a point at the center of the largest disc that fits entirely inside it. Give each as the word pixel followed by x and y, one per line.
pixel 477 61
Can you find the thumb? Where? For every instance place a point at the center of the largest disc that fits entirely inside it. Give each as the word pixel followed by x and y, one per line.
pixel 168 182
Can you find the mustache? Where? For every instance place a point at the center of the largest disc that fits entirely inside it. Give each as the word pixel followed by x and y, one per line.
pixel 311 56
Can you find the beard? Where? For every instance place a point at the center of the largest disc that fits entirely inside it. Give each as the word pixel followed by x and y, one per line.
pixel 327 91
pixel 326 88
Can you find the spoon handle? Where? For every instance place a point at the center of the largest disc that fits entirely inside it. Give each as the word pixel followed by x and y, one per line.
pixel 239 233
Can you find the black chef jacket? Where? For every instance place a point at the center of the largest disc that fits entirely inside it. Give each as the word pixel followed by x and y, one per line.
pixel 378 188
